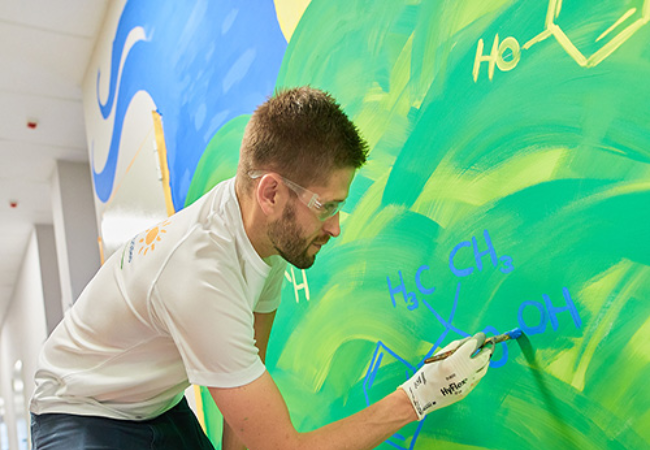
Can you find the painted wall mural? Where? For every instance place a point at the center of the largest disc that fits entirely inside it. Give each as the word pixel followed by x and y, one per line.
pixel 187 79
pixel 199 65
pixel 508 186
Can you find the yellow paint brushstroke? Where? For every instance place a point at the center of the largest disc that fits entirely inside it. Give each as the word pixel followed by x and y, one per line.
pixel 385 112
pixel 161 149
pixel 543 423
pixel 100 244
pixel 425 442
pixel 451 193
pixel 567 45
pixel 633 357
pixel 539 38
pixel 623 188
pixel 552 12
pixel 597 291
pixel 468 12
pixel 638 344
pixel 558 8
pixel 200 412
pixel 289 13
pixel 615 43
pixel 641 426
pixel 571 365
pixel 622 19
pixel 399 79
pixel 607 49
pixel 561 364
pixel 367 222
pixel 313 360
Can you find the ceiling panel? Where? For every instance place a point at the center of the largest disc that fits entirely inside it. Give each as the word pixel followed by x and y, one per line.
pixel 40 50
pixel 60 122
pixel 69 17
pixel 45 48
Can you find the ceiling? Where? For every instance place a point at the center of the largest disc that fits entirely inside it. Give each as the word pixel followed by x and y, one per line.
pixel 45 47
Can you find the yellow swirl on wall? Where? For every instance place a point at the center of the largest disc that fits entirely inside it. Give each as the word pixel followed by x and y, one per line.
pixel 289 13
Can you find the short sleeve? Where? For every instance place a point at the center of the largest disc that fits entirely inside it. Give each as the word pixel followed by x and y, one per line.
pixel 270 297
pixel 202 306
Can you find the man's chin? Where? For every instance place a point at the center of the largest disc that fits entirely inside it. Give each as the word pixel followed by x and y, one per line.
pixel 304 266
pixel 306 263
pixel 304 260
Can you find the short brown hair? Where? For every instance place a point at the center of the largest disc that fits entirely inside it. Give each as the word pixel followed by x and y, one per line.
pixel 303 134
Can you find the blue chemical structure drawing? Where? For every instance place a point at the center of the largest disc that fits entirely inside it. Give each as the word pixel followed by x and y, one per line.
pixel 627 24
pixel 503 263
pixel 384 356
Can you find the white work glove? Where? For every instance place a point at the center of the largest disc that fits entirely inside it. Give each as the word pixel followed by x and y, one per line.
pixel 442 383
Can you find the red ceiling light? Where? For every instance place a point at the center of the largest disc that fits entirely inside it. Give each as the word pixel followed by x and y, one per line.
pixel 32 124
pixel 13 203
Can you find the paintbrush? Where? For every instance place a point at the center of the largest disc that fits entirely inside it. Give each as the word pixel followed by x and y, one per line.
pixel 512 334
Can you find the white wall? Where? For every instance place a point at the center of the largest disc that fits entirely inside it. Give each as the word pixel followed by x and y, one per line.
pixel 49 276
pixel 36 305
pixel 75 228
pixel 21 337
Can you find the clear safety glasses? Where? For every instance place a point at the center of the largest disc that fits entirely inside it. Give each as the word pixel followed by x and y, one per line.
pixel 311 199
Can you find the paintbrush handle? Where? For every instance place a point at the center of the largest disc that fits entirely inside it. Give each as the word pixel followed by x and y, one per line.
pixel 491 340
pixel 439 357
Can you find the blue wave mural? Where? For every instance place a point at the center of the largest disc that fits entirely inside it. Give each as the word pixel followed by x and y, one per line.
pixel 202 62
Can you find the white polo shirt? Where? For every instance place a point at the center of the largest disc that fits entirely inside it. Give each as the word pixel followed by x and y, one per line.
pixel 174 307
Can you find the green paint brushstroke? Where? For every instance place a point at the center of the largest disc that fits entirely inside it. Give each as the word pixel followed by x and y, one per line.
pixel 551 158
pixel 219 160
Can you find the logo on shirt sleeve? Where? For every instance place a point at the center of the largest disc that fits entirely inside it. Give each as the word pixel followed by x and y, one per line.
pixel 146 242
pixel 153 235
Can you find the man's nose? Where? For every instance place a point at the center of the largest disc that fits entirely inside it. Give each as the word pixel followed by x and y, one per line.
pixel 332 226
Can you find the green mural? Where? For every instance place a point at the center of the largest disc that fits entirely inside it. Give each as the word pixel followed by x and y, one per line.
pixel 508 186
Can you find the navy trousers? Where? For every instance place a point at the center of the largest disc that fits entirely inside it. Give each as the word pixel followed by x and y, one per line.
pixel 177 429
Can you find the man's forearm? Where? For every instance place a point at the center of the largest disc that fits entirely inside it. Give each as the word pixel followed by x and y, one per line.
pixel 259 416
pixel 366 429
pixel 229 440
pixel 262 420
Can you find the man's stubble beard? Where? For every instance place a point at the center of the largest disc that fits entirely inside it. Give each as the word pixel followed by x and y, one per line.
pixel 286 238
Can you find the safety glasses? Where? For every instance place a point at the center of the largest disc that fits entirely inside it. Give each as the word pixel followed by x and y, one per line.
pixel 311 199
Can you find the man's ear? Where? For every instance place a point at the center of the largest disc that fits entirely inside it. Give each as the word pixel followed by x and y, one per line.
pixel 269 196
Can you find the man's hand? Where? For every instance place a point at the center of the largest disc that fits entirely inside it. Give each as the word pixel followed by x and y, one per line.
pixel 442 383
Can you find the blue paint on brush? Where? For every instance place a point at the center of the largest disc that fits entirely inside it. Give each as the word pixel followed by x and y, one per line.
pixel 512 334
